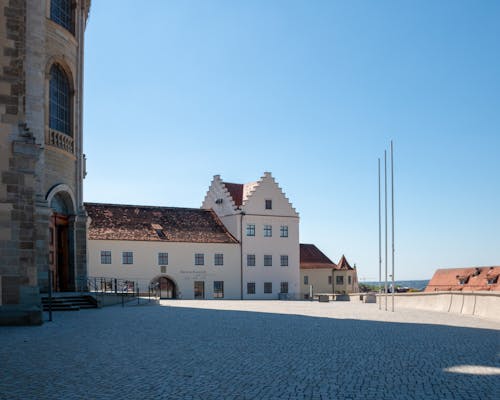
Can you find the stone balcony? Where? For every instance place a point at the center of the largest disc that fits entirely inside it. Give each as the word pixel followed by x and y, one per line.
pixel 61 141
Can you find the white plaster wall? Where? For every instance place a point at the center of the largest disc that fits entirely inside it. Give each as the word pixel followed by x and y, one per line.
pixel 180 268
pixel 275 246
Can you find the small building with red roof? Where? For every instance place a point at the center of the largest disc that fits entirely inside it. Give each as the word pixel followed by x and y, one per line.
pixel 323 275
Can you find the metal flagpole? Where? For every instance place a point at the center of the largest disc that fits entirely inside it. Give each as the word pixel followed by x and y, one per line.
pixel 385 187
pixel 392 204
pixel 379 243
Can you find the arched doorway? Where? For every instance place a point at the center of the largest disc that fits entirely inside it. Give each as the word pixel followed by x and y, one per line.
pixel 60 239
pixel 165 287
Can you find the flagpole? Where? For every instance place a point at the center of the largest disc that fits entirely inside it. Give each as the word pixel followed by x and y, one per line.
pixel 379 243
pixel 385 188
pixel 392 204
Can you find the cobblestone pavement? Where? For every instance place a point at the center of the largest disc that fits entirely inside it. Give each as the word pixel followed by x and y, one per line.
pixel 252 350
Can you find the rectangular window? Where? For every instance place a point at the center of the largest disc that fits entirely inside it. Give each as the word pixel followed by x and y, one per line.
pixel 349 280
pixel 127 257
pixel 162 258
pixel 269 204
pixel 339 280
pixel 268 287
pixel 284 261
pixel 268 261
pixel 250 260
pixel 268 230
pixel 284 287
pixel 199 259
pixel 306 280
pixel 163 269
pixel 284 231
pixel 250 229
pixel 105 257
pixel 219 259
pixel 329 279
pixel 250 287
pixel 218 289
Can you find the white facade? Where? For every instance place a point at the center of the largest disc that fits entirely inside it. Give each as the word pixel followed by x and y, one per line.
pixel 180 268
pixel 260 216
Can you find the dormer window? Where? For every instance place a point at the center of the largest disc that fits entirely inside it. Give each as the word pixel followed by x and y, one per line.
pixel 269 204
pixel 492 280
pixel 61 12
pixel 462 280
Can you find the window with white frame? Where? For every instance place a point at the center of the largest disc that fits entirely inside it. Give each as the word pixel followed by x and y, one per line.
pixel 284 287
pixel 199 259
pixel 219 259
pixel 268 287
pixel 250 260
pixel 218 289
pixel 284 231
pixel 250 229
pixel 127 257
pixel 284 261
pixel 105 257
pixel 250 287
pixel 268 230
pixel 162 258
pixel 268 260
pixel 339 280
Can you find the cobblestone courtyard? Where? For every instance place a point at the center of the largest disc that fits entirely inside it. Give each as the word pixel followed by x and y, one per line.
pixel 251 350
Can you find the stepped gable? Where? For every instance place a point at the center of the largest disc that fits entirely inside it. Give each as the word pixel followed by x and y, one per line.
pixel 240 192
pixel 343 264
pixel 465 279
pixel 145 223
pixel 313 258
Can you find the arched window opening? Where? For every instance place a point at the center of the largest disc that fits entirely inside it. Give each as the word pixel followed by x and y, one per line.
pixel 60 101
pixel 61 12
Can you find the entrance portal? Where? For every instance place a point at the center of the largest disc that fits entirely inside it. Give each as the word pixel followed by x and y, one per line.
pixel 166 288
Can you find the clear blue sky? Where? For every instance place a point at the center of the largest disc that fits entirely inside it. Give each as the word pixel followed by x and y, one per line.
pixel 178 91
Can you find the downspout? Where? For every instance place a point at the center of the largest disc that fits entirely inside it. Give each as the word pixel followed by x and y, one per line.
pixel 333 281
pixel 241 254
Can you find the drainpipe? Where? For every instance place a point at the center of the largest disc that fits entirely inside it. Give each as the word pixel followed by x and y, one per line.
pixel 241 254
pixel 333 282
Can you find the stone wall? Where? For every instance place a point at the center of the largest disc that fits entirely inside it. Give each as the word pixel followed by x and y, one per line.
pixel 30 167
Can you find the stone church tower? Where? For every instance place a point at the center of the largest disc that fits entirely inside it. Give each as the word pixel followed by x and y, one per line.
pixel 42 219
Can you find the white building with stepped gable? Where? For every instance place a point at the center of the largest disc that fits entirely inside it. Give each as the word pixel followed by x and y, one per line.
pixel 242 244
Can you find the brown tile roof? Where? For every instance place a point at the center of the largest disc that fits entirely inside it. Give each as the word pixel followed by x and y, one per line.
pixel 312 258
pixel 236 192
pixel 343 264
pixel 145 223
pixel 473 278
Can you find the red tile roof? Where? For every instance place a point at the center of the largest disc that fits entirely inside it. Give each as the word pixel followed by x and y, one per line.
pixel 343 264
pixel 145 223
pixel 312 258
pixel 473 278
pixel 236 192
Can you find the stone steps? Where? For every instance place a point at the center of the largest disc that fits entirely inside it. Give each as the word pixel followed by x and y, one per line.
pixel 69 303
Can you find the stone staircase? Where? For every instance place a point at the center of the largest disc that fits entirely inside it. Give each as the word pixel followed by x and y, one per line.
pixel 69 303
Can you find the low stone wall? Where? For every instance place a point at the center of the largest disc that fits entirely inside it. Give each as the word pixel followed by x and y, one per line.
pixel 482 304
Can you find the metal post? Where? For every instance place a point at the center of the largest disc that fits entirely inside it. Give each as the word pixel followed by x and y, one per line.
pixel 50 295
pixel 116 286
pixel 379 243
pixel 137 291
pixel 385 187
pixel 392 204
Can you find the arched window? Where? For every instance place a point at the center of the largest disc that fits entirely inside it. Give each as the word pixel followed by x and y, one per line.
pixel 60 101
pixel 61 12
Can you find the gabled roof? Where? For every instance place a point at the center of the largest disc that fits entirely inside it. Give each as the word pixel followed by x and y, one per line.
pixel 343 264
pixel 466 279
pixel 145 223
pixel 239 191
pixel 313 258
